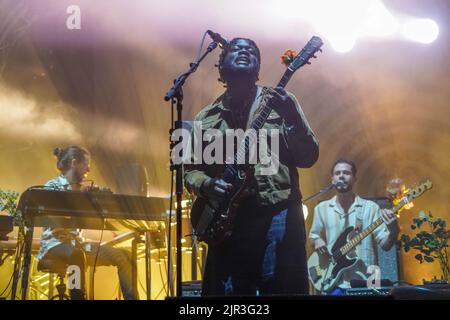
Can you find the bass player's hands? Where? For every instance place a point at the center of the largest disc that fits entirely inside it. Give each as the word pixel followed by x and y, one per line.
pixel 320 246
pixel 390 220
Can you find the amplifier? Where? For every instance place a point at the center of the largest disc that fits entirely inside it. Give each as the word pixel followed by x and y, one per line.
pixel 384 291
pixel 191 289
pixel 432 291
pixel 6 226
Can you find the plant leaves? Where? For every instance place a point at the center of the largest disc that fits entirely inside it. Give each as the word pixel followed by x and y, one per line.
pixel 419 257
pixel 405 238
pixel 432 245
pixel 423 215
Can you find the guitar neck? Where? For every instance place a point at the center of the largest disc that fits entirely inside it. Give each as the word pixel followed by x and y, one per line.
pixel 345 249
pixel 286 77
pixel 243 150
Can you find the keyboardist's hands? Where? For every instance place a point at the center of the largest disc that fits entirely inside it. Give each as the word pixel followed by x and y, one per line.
pixel 90 188
pixel 95 188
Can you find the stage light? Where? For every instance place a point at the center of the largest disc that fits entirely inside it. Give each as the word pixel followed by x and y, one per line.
pixel 342 44
pixel 343 23
pixel 420 30
pixel 380 22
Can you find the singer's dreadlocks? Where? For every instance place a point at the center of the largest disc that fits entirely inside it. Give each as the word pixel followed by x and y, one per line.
pixel 225 52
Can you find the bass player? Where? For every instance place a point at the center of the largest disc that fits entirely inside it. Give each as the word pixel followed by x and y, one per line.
pixel 347 209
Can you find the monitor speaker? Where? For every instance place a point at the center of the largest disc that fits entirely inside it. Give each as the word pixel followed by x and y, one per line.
pixel 388 260
pixel 191 288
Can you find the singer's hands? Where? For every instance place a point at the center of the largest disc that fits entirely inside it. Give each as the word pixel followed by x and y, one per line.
pixel 280 101
pixel 320 246
pixel 215 188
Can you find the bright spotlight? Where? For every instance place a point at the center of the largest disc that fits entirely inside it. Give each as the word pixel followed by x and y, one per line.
pixel 345 22
pixel 420 30
pixel 342 44
pixel 379 22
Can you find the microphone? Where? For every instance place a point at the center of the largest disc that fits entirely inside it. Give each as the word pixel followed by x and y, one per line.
pixel 327 188
pixel 221 41
pixel 339 184
pixel 332 185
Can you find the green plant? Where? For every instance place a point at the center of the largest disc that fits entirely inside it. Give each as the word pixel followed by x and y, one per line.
pixel 8 201
pixel 8 204
pixel 432 244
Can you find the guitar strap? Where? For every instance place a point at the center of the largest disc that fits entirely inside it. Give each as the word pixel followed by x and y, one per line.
pixel 254 107
pixel 359 219
pixel 346 220
pixel 358 225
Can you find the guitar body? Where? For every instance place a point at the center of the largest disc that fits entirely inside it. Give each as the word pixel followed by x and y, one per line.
pixel 325 271
pixel 213 220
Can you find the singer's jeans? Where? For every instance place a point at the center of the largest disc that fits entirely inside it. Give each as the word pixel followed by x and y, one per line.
pixel 265 255
pixel 108 256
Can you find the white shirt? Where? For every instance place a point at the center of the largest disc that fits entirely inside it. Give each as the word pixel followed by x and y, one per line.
pixel 51 237
pixel 330 221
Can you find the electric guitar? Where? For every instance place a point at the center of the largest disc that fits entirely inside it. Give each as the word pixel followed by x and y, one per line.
pixel 325 270
pixel 212 220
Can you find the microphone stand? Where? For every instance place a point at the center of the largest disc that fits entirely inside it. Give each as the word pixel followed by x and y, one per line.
pixel 175 94
pixel 320 192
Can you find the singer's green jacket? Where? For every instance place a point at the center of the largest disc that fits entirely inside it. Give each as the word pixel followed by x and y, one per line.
pixel 277 181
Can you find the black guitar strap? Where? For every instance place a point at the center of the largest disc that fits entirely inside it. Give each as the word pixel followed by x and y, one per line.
pixel 358 221
pixel 254 107
pixel 358 225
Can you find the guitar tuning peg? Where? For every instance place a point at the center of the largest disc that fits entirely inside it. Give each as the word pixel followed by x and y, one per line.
pixel 315 57
pixel 320 50
pixel 308 62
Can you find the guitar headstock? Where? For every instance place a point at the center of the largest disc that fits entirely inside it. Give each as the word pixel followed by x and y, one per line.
pixel 418 190
pixel 307 53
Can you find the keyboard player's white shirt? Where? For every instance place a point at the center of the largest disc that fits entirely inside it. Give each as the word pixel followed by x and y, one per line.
pixel 51 237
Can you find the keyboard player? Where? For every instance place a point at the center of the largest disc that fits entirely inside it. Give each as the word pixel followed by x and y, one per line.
pixel 66 244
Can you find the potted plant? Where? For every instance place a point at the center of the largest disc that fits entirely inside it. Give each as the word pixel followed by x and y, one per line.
pixel 8 204
pixel 431 241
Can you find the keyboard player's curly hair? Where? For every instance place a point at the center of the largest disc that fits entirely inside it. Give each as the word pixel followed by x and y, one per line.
pixel 65 156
